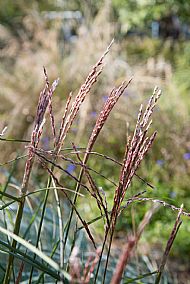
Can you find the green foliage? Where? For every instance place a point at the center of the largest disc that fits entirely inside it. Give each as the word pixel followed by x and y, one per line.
pixel 12 12
pixel 140 50
pixel 182 70
pixel 140 13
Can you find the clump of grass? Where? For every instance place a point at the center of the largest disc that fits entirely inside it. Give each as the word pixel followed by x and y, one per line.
pixel 69 267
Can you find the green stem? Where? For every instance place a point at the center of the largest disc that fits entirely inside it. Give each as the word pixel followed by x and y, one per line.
pixel 108 254
pixel 71 213
pixel 14 243
pixel 100 258
pixel 158 278
pixel 14 140
pixel 40 225
pixel 74 201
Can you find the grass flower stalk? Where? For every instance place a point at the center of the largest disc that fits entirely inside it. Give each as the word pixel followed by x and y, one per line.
pixel 44 101
pixel 68 117
pixel 135 152
pixel 107 108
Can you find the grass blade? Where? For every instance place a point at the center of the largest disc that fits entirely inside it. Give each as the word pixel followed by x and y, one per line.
pixel 36 251
pixel 140 277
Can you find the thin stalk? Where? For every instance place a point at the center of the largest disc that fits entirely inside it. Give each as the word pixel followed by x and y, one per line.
pixel 108 106
pixel 14 140
pixel 40 225
pixel 74 202
pixel 52 254
pixel 108 254
pixel 41 220
pixel 72 247
pixel 9 178
pixel 44 101
pixel 13 160
pixel 171 239
pixel 114 161
pixel 140 277
pixel 100 257
pixel 20 255
pixel 14 242
pixel 32 220
pixel 5 225
pixel 9 196
pixel 60 227
pixel 160 272
pixel 111 237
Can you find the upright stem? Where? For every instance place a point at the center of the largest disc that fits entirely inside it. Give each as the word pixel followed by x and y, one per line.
pixel 14 242
pixel 157 281
pixel 108 254
pixel 40 225
pixel 75 200
pixel 100 258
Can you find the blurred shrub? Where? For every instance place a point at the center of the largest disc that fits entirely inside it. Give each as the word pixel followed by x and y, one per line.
pixel 182 70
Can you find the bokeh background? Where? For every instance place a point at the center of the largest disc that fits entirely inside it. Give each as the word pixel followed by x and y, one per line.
pixel 152 45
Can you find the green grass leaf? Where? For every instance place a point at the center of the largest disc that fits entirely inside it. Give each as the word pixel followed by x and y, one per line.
pixel 39 253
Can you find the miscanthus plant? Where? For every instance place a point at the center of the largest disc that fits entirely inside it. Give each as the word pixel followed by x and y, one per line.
pixel 48 240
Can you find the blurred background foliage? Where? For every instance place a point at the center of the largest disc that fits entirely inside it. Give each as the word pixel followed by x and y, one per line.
pixel 151 44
